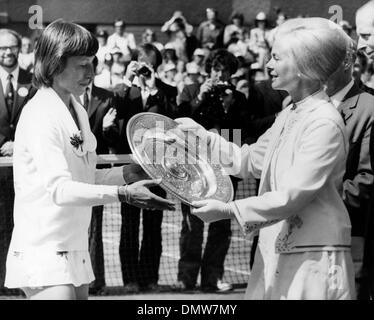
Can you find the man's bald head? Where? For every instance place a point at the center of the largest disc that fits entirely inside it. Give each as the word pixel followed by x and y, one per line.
pixel 365 28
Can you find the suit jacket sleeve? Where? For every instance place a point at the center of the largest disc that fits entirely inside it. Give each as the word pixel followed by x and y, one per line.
pixel 157 103
pixel 188 102
pixel 320 148
pixel 260 121
pixel 47 151
pixel 371 147
pixel 164 101
pixel 121 101
pixel 111 134
pixel 3 139
pixel 358 189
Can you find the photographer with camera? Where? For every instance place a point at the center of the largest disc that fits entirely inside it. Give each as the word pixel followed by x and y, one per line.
pixel 142 91
pixel 216 104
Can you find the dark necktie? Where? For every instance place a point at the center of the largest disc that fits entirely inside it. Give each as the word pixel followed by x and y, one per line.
pixel 86 100
pixel 9 93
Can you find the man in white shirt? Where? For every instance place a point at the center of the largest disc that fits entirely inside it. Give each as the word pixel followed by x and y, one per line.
pixel 357 109
pixel 125 41
pixel 15 91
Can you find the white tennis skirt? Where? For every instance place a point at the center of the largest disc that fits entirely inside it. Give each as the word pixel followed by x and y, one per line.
pixel 36 270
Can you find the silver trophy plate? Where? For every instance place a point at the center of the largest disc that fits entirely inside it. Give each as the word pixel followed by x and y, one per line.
pixel 166 152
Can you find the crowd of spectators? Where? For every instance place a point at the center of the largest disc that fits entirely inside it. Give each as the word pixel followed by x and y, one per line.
pixel 186 50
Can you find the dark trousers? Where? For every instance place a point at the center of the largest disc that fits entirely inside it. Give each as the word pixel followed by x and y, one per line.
pixel 6 217
pixel 365 285
pixel 212 261
pixel 217 245
pixel 141 267
pixel 96 247
pixel 366 291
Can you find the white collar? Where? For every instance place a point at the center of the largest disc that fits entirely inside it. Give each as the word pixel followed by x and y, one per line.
pixel 311 100
pixel 89 87
pixel 89 141
pixel 338 97
pixel 89 91
pixel 4 74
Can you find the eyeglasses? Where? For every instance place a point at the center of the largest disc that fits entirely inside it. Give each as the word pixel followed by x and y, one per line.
pixel 11 48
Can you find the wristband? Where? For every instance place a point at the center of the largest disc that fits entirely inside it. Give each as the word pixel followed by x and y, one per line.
pixel 124 196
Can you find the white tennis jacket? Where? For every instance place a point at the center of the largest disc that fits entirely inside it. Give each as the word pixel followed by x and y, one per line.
pixel 56 181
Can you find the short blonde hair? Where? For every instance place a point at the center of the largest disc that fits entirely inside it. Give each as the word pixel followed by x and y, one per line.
pixel 316 44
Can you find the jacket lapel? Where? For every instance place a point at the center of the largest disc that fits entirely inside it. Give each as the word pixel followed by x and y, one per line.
pixel 348 106
pixel 89 140
pixel 94 103
pixel 3 108
pixel 21 92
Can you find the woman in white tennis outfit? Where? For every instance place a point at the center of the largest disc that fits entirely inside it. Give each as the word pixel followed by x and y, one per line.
pixel 55 176
pixel 304 228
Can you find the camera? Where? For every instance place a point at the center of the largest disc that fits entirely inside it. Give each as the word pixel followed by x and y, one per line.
pixel 144 71
pixel 220 90
pixel 213 111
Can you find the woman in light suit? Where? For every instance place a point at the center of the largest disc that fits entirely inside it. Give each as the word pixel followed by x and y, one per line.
pixel 304 228
pixel 55 176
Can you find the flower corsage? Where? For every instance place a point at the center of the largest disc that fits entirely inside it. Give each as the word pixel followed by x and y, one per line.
pixel 77 142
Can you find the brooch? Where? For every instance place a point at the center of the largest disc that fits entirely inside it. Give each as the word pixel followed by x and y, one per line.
pixel 76 141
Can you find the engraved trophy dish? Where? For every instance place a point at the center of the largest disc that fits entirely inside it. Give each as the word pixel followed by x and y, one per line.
pixel 166 152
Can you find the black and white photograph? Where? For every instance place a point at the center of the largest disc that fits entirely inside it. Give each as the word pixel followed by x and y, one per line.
pixel 202 151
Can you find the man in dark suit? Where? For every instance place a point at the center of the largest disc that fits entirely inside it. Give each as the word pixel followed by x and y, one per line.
pixel 15 91
pixel 216 104
pixel 357 110
pixel 365 31
pixel 142 92
pixel 101 108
